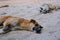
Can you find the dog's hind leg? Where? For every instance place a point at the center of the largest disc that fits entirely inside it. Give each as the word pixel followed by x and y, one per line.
pixel 6 28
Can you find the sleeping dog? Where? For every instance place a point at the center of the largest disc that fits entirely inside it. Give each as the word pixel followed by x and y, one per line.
pixel 46 8
pixel 10 23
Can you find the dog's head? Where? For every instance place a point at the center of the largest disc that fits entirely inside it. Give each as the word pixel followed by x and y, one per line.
pixel 36 28
pixel 44 8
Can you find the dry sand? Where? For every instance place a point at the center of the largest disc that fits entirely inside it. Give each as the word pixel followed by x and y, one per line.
pixel 29 9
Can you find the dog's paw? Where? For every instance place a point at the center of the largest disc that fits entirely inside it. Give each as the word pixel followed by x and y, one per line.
pixel 1 31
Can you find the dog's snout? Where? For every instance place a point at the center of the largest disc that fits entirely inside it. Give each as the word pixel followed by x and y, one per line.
pixel 37 29
pixel 41 27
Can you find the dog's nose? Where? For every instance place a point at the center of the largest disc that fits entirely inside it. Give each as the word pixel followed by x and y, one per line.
pixel 37 29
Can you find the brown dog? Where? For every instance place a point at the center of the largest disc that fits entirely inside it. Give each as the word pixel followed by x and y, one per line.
pixel 10 23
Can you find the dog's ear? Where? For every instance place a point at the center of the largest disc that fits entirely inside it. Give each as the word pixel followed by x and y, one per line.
pixel 33 21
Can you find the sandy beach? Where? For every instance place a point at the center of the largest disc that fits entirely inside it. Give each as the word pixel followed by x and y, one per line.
pixel 29 9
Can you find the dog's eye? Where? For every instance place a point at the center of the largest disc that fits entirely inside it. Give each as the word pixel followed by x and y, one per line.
pixel 36 24
pixel 41 8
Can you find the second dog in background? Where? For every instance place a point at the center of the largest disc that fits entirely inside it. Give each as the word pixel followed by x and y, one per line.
pixel 47 8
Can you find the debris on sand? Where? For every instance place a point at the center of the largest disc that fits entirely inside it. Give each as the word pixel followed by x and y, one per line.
pixel 4 6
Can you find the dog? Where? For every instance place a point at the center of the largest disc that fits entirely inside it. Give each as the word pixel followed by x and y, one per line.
pixel 47 8
pixel 10 23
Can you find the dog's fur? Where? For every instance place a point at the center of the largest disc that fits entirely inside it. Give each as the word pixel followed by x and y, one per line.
pixel 10 23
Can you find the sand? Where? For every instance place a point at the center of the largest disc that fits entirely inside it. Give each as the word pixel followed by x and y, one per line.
pixel 30 10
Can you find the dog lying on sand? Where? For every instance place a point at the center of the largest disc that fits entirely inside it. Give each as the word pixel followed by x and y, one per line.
pixel 10 23
pixel 46 8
